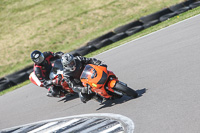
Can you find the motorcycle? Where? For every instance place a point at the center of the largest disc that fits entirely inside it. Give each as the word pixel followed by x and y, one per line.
pixel 104 83
pixel 57 69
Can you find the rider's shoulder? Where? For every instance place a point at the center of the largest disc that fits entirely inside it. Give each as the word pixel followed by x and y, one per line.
pixel 78 57
pixel 47 53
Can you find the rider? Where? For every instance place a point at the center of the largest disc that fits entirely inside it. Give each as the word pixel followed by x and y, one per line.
pixel 73 67
pixel 42 68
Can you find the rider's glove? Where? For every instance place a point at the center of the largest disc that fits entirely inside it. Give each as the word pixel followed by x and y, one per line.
pixel 84 90
pixel 96 62
pixel 70 84
pixel 59 78
pixel 79 89
pixel 58 54
pixel 47 83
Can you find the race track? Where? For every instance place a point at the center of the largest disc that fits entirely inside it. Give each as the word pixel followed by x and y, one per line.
pixel 166 63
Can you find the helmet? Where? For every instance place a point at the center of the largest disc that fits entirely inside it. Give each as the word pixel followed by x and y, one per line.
pixel 37 57
pixel 68 61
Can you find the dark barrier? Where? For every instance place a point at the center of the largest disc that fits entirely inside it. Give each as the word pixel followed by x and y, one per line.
pixel 153 19
pixel 188 2
pixel 74 53
pixel 153 22
pixel 176 7
pixel 194 5
pixel 5 83
pixel 30 70
pixel 167 16
pixel 179 8
pixel 134 30
pixel 19 76
pixel 118 37
pixel 110 37
pixel 101 38
pixel 85 50
pixel 103 43
pixel 125 27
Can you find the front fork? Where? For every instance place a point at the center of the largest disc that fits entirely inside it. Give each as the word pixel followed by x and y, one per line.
pixel 122 83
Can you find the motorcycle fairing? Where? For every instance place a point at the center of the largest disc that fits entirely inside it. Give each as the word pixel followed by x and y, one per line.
pixel 103 78
pixel 96 77
pixel 93 74
pixel 33 78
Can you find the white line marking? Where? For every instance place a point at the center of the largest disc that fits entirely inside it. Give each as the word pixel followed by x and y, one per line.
pixel 43 127
pixel 54 128
pixel 128 123
pixel 111 129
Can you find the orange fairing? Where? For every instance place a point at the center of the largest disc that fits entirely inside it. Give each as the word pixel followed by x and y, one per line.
pixel 96 77
pixel 93 75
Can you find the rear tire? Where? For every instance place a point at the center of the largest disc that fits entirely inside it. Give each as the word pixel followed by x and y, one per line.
pixel 126 90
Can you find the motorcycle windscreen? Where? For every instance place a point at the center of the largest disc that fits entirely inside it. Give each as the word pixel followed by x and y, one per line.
pixel 56 69
pixel 88 73
pixel 57 66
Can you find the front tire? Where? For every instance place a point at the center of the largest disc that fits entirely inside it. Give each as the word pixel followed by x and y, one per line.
pixel 125 90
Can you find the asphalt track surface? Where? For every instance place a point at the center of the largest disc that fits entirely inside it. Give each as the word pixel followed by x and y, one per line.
pixel 166 63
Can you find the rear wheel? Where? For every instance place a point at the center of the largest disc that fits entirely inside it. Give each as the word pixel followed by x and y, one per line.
pixel 125 90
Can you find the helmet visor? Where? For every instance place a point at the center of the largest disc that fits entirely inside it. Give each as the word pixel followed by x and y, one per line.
pixel 39 60
pixel 72 65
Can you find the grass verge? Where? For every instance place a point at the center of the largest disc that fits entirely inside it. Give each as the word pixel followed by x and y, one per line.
pixel 157 27
pixel 64 25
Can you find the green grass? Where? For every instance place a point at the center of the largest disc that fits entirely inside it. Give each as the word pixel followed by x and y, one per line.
pixel 64 25
pixel 159 26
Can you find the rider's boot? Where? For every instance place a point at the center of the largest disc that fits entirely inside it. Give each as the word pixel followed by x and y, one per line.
pixel 98 99
pixel 84 97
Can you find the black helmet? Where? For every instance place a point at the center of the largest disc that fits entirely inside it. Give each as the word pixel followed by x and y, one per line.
pixel 68 61
pixel 37 57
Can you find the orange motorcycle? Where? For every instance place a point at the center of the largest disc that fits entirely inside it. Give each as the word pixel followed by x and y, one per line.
pixel 104 83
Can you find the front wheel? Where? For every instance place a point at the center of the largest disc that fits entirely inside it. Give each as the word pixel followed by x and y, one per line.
pixel 125 90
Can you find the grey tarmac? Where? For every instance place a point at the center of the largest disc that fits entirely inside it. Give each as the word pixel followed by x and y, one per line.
pixel 166 63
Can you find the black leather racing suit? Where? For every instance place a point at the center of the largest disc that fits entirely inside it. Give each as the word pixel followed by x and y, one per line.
pixel 73 77
pixel 42 70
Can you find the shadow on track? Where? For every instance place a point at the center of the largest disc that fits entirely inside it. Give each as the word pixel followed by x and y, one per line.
pixel 69 97
pixel 110 103
pixel 141 92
